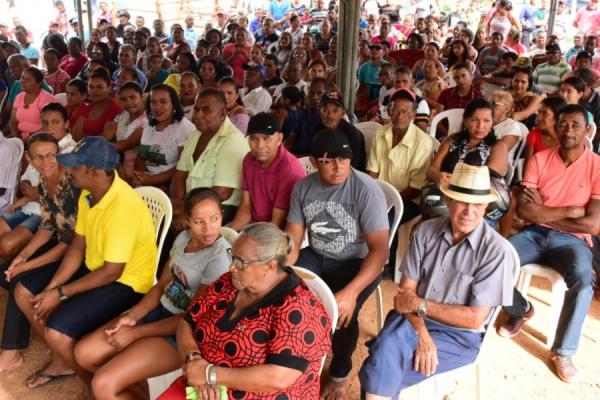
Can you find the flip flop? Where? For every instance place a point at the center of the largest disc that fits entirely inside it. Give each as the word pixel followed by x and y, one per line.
pixel 42 375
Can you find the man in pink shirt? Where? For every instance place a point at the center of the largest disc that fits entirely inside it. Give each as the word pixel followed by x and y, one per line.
pixel 587 19
pixel 269 173
pixel 561 200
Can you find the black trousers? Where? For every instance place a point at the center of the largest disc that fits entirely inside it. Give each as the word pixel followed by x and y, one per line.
pixel 337 274
pixel 15 335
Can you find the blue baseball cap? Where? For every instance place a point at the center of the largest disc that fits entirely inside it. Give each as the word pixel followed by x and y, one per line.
pixel 252 66
pixel 94 152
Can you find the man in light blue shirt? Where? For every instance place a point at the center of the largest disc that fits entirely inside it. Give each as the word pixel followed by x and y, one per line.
pixel 190 33
pixel 278 9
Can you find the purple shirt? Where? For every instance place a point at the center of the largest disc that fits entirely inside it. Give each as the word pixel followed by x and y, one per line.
pixel 270 187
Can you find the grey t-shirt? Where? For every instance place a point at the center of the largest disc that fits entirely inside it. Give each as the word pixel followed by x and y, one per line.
pixel 189 270
pixel 338 217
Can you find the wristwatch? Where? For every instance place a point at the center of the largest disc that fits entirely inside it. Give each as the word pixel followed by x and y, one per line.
pixel 61 295
pixel 422 310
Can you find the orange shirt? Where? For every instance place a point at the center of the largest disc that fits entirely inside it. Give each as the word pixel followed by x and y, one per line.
pixel 562 186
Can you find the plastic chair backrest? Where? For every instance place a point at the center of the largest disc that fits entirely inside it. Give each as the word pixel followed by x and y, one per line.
pixel 368 129
pixel 161 210
pixel 454 116
pixel 308 167
pixel 61 98
pixel 392 199
pixel 21 146
pixel 323 293
pixel 229 234
pixel 592 133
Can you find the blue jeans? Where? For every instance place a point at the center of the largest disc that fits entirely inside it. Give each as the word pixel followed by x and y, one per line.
pixel 19 218
pixel 570 257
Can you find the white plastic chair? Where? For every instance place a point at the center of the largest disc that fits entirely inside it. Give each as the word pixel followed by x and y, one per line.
pixel 308 167
pixel 368 129
pixel 454 116
pixel 323 293
pixel 162 213
pixel 21 146
pixel 558 289
pixel 61 98
pixel 392 199
pixel 433 388
pixel 229 234
pixel 592 133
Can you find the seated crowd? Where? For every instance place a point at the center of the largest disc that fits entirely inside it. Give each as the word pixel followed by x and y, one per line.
pixel 243 129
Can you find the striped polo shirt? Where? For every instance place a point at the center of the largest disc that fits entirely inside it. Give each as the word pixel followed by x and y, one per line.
pixel 548 77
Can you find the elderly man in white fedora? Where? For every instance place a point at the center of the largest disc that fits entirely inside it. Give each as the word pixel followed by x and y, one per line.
pixel 456 271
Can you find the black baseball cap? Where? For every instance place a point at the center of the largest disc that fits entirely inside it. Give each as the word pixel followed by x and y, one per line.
pixel 92 151
pixel 378 44
pixel 332 97
pixel 330 143
pixel 553 48
pixel 264 123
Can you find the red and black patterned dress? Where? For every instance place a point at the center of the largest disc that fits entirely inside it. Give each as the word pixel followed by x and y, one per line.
pixel 289 327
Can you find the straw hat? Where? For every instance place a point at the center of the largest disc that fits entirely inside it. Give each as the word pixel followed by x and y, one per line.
pixel 470 184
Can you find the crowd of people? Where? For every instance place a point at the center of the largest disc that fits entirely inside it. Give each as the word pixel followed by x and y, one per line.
pixel 242 126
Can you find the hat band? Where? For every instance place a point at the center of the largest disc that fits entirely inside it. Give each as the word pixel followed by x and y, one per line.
pixel 477 192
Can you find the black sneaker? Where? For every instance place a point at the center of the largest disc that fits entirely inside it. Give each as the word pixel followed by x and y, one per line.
pixel 511 327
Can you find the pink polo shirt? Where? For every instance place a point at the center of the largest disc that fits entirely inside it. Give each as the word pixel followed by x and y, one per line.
pixel 270 187
pixel 28 118
pixel 562 186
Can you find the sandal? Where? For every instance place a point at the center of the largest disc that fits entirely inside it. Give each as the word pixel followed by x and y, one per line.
pixel 335 388
pixel 49 378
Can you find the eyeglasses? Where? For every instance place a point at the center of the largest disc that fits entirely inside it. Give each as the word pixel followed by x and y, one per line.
pixel 240 263
pixel 41 158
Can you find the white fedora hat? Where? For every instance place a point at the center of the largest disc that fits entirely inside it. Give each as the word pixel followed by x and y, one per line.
pixel 470 184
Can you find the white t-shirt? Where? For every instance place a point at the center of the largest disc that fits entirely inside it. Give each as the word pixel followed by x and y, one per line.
pixel 188 111
pixel 257 100
pixel 125 127
pixel 508 127
pixel 160 150
pixel 301 85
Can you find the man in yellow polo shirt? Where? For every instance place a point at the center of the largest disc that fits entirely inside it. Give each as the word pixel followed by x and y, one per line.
pixel 212 157
pixel 109 265
pixel 400 155
pixel 401 152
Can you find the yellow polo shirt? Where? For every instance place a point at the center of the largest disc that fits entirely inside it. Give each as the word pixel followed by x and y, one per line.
pixel 119 229
pixel 220 164
pixel 405 164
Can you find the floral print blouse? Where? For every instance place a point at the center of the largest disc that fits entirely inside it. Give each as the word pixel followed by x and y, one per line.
pixel 59 212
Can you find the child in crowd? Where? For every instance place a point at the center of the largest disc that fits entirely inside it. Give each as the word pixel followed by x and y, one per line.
pixel 287 111
pixel 156 74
